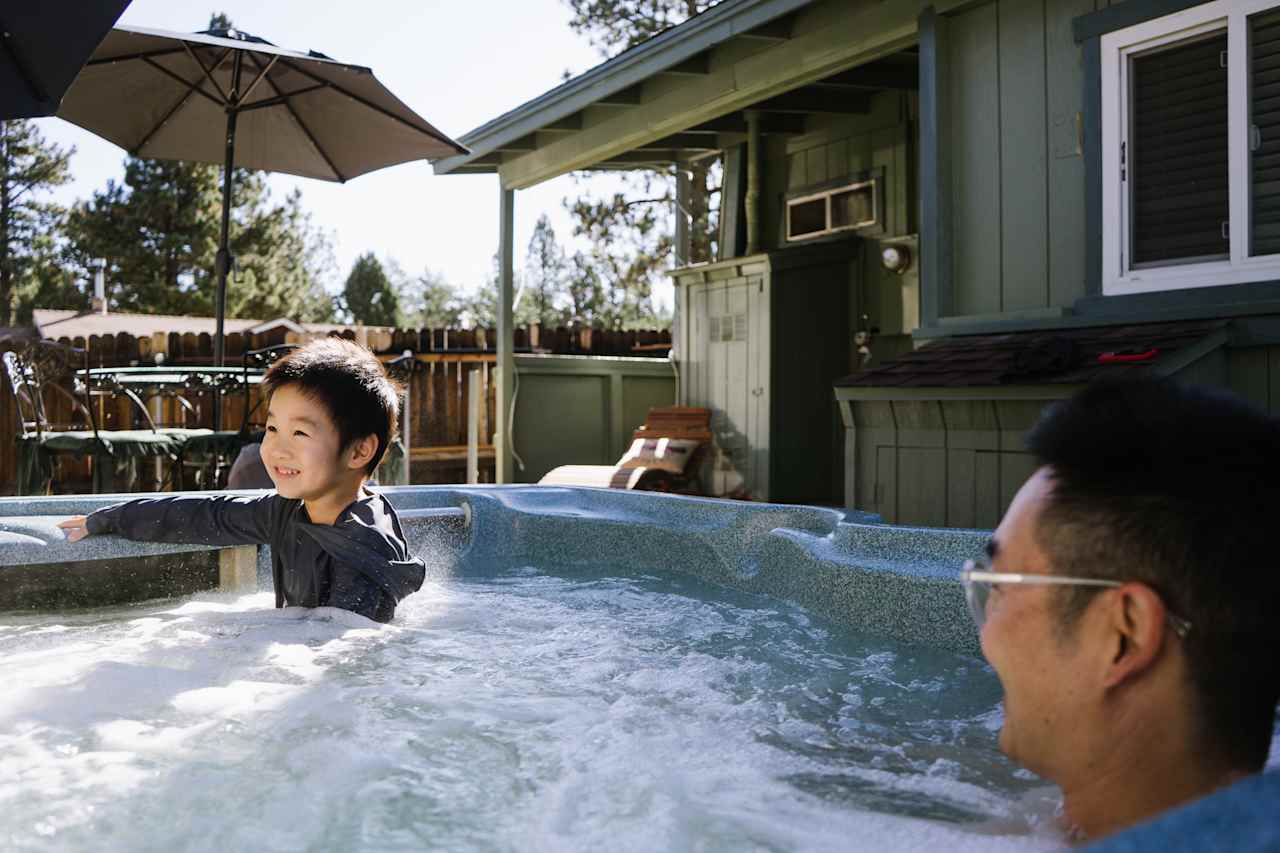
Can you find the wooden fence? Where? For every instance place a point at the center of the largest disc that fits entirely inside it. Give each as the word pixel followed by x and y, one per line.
pixel 438 387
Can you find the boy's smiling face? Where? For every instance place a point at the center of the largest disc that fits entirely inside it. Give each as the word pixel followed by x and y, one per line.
pixel 302 449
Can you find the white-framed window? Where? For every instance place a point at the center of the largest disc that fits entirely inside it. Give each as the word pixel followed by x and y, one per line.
pixel 1191 149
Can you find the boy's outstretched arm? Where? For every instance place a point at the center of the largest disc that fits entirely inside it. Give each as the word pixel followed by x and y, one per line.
pixel 187 519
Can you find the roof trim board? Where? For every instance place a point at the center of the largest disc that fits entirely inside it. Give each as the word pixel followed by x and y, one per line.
pixel 836 41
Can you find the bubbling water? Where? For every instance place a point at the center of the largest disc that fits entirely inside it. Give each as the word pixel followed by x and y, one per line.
pixel 521 711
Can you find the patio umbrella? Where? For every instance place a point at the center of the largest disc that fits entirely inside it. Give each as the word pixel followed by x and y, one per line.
pixel 224 96
pixel 43 45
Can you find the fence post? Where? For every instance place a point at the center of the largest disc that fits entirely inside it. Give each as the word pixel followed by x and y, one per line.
pixel 473 426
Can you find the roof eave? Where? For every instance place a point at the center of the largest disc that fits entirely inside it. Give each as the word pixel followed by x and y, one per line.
pixel 678 44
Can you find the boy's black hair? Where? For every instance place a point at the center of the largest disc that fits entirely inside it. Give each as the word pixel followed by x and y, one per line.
pixel 1178 487
pixel 351 384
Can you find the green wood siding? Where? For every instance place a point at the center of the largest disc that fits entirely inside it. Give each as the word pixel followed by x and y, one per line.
pixel 948 463
pixel 838 148
pixel 975 160
pixel 1017 191
pixel 1254 373
pixel 842 147
pixel 577 410
pixel 1024 226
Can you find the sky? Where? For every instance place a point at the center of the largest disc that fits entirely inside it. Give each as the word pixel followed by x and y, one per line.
pixel 457 65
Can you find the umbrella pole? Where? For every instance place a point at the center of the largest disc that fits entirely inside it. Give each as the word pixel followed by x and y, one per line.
pixel 223 263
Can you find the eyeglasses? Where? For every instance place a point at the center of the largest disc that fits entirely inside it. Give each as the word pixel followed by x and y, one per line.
pixel 978 580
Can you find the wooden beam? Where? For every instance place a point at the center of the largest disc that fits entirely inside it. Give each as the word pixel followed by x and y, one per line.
pixel 773 32
pixel 628 97
pixel 694 66
pixel 522 145
pixel 696 141
pixel 848 35
pixel 630 158
pixel 876 77
pixel 568 124
pixel 737 123
pixel 816 99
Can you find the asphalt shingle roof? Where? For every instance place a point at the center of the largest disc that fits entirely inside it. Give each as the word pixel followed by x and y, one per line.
pixel 1063 356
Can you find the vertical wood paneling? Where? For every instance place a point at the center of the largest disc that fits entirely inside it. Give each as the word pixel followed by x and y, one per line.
pixel 1247 371
pixel 922 485
pixel 888 151
pixel 887 483
pixel 1273 377
pixel 796 175
pixel 701 345
pixel 1023 192
pixel 986 490
pixel 838 158
pixel 759 292
pixel 975 153
pixel 961 478
pixel 816 164
pixel 737 390
pixel 1064 86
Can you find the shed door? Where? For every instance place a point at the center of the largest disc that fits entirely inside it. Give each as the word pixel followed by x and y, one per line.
pixel 728 370
pixel 759 391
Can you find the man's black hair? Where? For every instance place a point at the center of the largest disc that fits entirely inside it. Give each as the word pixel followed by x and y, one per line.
pixel 1177 487
pixel 351 384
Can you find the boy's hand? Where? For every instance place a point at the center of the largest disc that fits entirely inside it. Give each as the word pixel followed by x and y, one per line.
pixel 74 528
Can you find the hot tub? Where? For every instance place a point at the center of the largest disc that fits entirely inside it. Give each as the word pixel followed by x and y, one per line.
pixel 582 670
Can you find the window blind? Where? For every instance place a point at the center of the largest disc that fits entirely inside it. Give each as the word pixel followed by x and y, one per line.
pixel 1177 158
pixel 1264 133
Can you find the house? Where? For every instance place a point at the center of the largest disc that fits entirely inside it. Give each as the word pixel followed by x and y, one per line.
pixel 937 218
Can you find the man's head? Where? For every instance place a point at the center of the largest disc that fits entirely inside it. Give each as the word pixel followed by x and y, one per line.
pixel 331 414
pixel 1172 493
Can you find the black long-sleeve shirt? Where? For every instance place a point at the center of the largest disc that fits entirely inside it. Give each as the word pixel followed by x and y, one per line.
pixel 360 563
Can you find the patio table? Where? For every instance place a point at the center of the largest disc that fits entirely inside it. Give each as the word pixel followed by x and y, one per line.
pixel 141 383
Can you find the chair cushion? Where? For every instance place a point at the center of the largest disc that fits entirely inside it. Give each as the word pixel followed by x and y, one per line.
pixel 666 454
pixel 599 476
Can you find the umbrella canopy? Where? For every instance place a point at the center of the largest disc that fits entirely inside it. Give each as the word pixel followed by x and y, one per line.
pixel 43 45
pixel 224 96
pixel 167 96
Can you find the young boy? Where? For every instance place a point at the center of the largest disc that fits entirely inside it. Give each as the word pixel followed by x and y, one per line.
pixel 331 412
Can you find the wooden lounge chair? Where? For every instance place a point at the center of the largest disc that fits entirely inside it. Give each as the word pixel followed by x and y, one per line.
pixel 666 455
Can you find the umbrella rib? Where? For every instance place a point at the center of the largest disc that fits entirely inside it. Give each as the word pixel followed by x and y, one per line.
pixel 208 73
pixel 186 96
pixel 24 69
pixel 367 103
pixel 127 57
pixel 301 124
pixel 280 99
pixel 194 87
pixel 256 80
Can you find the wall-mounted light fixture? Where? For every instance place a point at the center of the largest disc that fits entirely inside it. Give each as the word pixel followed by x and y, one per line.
pixel 896 259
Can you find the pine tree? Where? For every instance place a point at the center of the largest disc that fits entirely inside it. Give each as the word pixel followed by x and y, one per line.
pixel 630 243
pixel 632 218
pixel 29 167
pixel 612 26
pixel 428 301
pixel 544 277
pixel 368 293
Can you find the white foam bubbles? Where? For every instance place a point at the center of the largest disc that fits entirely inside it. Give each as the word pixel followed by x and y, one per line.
pixel 520 712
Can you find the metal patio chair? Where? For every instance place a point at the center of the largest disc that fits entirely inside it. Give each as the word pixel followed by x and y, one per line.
pixel 47 370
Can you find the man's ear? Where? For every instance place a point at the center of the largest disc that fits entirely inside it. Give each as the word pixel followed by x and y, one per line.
pixel 361 451
pixel 1137 632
